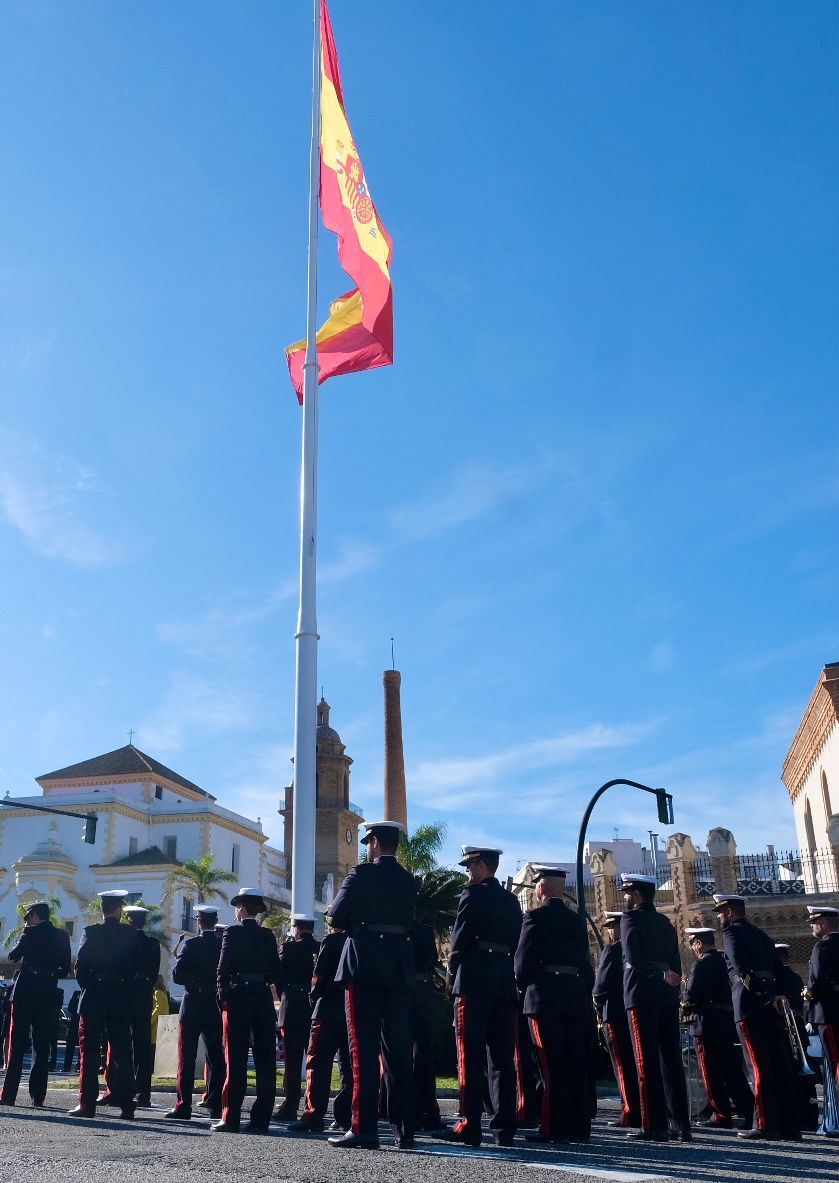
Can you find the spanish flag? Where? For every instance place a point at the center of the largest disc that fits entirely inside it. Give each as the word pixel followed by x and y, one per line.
pixel 359 332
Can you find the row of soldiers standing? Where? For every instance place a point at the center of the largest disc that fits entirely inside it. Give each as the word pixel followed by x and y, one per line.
pixel 359 995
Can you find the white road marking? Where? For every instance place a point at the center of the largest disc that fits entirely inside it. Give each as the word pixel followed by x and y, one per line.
pixel 573 1168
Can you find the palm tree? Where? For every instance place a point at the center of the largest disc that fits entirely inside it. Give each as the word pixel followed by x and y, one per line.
pixel 438 892
pixel 21 909
pixel 418 854
pixel 200 878
pixel 438 888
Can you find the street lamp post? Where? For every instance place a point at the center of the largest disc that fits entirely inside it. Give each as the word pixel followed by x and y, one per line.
pixel 665 816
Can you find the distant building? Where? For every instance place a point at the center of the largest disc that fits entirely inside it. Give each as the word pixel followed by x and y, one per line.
pixel 150 819
pixel 337 818
pixel 811 773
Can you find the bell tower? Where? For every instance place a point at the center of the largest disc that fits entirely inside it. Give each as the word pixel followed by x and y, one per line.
pixel 337 819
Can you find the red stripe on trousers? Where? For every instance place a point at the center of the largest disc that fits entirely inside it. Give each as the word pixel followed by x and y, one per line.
pixel 613 1043
pixel 760 1111
pixel 82 1054
pixel 311 1054
pixel 546 1076
pixel 701 1056
pixel 225 1088
pixel 352 1031
pixel 459 1028
pixel 642 1070
pixel 520 1100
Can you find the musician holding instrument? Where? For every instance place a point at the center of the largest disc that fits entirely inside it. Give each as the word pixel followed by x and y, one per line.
pixel 709 1012
pixel 758 1013
pixel 791 986
pixel 822 988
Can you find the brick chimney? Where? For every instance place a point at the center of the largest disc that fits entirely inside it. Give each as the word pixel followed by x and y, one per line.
pixel 396 799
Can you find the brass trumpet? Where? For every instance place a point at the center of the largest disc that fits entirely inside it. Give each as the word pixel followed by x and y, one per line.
pixel 794 1036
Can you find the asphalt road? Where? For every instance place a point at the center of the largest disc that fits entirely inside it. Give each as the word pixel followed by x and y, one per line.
pixel 39 1144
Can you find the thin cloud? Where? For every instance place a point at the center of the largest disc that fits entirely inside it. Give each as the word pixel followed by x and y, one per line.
pixel 42 497
pixel 472 777
pixel 193 708
pixel 471 492
pixel 662 657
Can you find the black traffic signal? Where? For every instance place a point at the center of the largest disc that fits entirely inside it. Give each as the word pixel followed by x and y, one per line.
pixel 664 801
pixel 90 828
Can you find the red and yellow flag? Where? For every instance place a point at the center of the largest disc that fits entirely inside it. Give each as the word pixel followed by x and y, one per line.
pixel 359 332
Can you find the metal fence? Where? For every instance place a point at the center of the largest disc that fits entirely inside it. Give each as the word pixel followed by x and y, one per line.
pixel 770 873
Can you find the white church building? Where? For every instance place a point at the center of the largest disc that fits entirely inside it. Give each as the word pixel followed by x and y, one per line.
pixel 149 820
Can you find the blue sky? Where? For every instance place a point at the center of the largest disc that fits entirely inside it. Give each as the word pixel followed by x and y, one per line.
pixel 595 499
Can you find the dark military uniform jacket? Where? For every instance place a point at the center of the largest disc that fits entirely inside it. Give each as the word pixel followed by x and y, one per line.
pixel 45 953
pixel 552 961
pixel 790 984
pixel 148 960
pixel 484 939
pixel 650 948
pixel 823 979
pixel 327 995
pixel 608 984
pixel 374 896
pixel 108 960
pixel 297 963
pixel 195 970
pixel 248 957
pixel 425 950
pixel 708 996
pixel 752 963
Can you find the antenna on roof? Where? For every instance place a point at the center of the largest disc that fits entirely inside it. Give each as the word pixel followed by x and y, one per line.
pixel 392 658
pixel 131 737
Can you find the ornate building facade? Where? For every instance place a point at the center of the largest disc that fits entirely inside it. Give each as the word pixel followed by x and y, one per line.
pixel 337 818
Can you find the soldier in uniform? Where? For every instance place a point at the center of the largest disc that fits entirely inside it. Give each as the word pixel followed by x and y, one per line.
pixel 652 974
pixel 328 1036
pixel 708 1008
pixel 248 967
pixel 611 1013
pixel 752 962
pixel 196 969
pixel 142 1000
pixel 553 968
pixel 44 953
pixel 791 985
pixel 375 905
pixel 297 963
pixel 106 966
pixel 484 939
pixel 822 990
pixel 423 1009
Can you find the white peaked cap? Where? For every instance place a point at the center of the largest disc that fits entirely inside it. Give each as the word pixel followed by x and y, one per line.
pixel 629 878
pixel 113 893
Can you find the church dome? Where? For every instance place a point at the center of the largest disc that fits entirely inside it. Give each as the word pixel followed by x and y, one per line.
pixel 324 731
pixel 50 851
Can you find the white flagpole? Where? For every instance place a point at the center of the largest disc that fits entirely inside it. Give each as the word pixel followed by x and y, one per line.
pixel 306 637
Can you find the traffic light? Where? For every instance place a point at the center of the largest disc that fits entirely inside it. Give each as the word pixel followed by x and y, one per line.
pixel 664 801
pixel 90 828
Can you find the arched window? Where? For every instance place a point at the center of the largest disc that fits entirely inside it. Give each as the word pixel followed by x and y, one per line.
pixel 828 811
pixel 808 827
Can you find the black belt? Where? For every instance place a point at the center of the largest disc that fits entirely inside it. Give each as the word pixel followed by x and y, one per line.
pixel 716 1006
pixel 248 978
pixel 423 977
pixel 491 947
pixel 108 978
pixel 200 989
pixel 570 970
pixel 761 973
pixel 43 973
pixel 393 930
pixel 295 986
pixel 660 966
